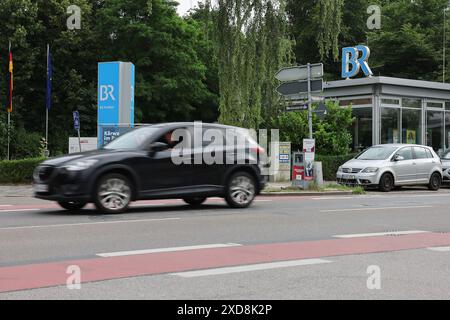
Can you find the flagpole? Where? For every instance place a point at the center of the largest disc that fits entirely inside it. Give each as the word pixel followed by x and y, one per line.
pixel 9 129
pixel 9 107
pixel 46 110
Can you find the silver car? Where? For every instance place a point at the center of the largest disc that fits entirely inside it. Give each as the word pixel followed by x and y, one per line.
pixel 393 165
pixel 446 166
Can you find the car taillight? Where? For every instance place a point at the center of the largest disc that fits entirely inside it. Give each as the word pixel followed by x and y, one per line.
pixel 258 150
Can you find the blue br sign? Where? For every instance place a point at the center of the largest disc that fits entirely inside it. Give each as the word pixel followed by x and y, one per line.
pixel 115 96
pixel 354 59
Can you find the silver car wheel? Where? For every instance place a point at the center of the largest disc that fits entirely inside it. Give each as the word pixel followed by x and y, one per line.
pixel 242 190
pixel 114 194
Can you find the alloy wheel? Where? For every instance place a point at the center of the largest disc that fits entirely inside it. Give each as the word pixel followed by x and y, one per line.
pixel 242 190
pixel 114 194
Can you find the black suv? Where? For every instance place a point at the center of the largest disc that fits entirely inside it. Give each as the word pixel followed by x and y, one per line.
pixel 164 161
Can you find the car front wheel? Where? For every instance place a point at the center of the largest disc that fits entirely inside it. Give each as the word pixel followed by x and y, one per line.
pixel 240 190
pixel 435 182
pixel 386 182
pixel 72 205
pixel 113 193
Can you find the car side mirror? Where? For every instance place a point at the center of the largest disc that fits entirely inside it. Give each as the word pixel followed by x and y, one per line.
pixel 398 158
pixel 158 147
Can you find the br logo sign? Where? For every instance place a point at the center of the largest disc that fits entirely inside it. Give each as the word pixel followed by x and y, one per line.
pixel 354 59
pixel 107 92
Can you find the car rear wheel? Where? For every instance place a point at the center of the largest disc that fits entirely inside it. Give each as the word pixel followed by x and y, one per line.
pixel 386 182
pixel 72 205
pixel 113 193
pixel 435 182
pixel 240 190
pixel 194 201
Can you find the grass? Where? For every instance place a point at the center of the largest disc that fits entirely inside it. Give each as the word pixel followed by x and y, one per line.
pixel 328 187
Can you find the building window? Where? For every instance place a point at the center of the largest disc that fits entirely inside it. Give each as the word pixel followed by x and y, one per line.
pixel 386 101
pixel 412 103
pixel 412 126
pixel 447 130
pixel 362 128
pixel 447 105
pixel 435 130
pixel 435 105
pixel 355 102
pixel 390 125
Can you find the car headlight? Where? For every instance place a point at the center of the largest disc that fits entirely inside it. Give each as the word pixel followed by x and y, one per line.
pixel 340 169
pixel 370 170
pixel 80 165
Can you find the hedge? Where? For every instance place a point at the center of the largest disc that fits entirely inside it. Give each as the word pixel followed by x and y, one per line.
pixel 18 171
pixel 21 171
pixel 331 164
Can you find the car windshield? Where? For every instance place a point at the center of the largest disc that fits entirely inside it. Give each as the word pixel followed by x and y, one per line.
pixel 131 140
pixel 377 153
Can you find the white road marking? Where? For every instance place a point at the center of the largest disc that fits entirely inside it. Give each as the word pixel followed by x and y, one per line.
pixel 440 249
pixel 251 267
pixel 18 210
pixel 148 205
pixel 396 195
pixel 186 248
pixel 87 224
pixel 377 208
pixel 380 234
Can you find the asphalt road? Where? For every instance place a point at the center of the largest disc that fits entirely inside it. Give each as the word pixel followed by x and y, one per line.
pixel 375 246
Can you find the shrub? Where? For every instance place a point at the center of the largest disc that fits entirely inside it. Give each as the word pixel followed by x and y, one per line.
pixel 18 171
pixel 331 164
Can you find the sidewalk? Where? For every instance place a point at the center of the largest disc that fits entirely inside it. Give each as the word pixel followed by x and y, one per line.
pixel 272 189
pixel 23 190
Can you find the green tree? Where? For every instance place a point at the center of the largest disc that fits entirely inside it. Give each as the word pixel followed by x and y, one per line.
pixel 332 133
pixel 409 44
pixel 252 44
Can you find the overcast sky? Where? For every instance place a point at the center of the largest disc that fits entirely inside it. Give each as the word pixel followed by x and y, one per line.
pixel 185 5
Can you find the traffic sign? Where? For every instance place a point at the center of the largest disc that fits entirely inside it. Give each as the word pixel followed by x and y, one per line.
pixel 297 87
pixel 297 107
pixel 76 120
pixel 300 73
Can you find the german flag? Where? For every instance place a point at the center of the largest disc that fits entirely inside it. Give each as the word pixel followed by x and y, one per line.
pixel 9 106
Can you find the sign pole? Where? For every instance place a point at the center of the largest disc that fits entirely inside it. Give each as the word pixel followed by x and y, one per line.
pixel 79 139
pixel 46 111
pixel 9 132
pixel 309 103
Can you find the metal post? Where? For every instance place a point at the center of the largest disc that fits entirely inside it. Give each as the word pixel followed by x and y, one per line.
pixel 46 112
pixel 79 139
pixel 46 131
pixel 9 133
pixel 310 103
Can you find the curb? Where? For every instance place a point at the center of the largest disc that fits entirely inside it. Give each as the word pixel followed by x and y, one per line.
pixel 307 194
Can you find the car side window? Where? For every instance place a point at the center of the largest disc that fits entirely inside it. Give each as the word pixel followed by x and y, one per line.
pixel 420 153
pixel 174 137
pixel 429 154
pixel 406 153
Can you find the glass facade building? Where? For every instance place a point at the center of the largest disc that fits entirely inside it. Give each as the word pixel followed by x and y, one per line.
pixel 393 110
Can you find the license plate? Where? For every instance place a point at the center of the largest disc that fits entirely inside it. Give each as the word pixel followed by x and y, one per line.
pixel 41 187
pixel 348 177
